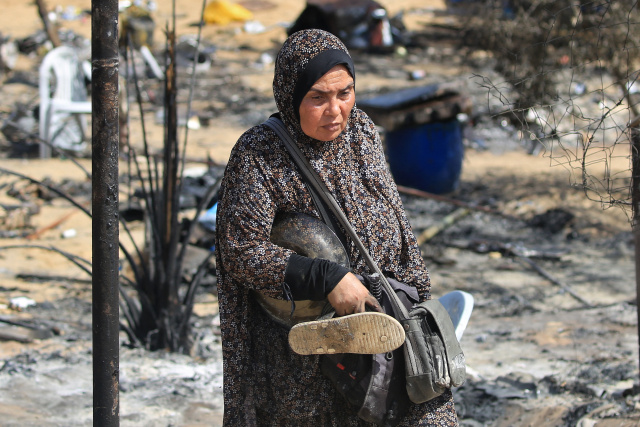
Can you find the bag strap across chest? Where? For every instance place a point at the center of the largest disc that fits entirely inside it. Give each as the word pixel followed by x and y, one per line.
pixel 326 199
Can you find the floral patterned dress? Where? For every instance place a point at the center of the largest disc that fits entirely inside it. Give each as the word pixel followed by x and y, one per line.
pixel 265 383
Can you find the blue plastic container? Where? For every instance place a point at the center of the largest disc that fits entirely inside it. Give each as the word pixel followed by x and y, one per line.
pixel 423 136
pixel 427 157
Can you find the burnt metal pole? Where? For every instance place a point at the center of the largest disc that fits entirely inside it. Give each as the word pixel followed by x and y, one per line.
pixel 105 226
pixel 634 131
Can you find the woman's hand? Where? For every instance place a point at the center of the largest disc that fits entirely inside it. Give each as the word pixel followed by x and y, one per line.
pixel 351 296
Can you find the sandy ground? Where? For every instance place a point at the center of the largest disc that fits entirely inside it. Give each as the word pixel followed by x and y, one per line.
pixel 522 322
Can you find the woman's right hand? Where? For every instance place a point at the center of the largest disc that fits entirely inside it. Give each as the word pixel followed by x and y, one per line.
pixel 351 296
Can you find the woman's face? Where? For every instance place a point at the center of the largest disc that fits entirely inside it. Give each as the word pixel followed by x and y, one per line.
pixel 324 110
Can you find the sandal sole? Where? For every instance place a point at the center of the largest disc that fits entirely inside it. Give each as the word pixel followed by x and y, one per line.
pixel 360 333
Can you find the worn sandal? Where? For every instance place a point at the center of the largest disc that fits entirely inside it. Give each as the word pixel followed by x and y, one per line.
pixel 361 333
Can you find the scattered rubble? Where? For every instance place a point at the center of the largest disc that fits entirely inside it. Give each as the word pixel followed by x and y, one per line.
pixel 552 340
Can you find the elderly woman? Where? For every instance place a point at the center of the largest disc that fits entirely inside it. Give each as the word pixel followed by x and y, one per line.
pixel 265 383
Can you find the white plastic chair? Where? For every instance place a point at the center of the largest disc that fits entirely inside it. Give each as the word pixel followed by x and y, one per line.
pixel 459 305
pixel 63 101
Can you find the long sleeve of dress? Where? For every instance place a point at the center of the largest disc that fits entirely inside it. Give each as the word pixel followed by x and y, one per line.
pixel 312 278
pixel 249 197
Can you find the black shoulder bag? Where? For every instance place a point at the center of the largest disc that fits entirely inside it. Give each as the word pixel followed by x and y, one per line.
pixel 433 360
